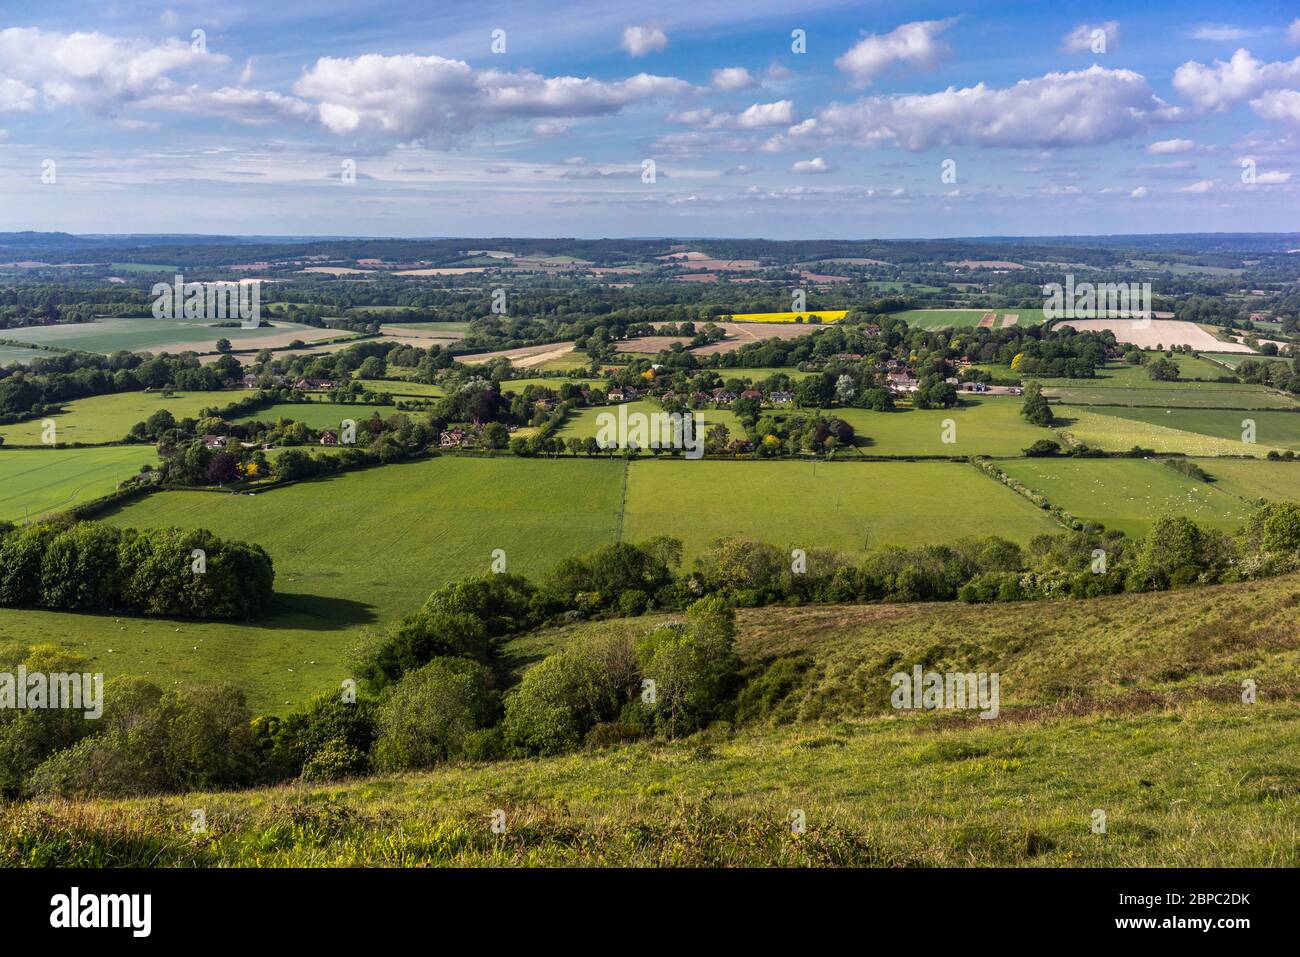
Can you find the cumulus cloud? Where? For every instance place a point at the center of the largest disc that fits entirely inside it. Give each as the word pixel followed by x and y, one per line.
pixel 1165 147
pixel 1281 106
pixel 639 41
pixel 1273 178
pixel 1081 108
pixel 1241 78
pixel 91 71
pixel 429 96
pixel 733 78
pixel 1082 37
pixel 236 103
pixel 1200 186
pixel 814 165
pixel 1140 192
pixel 913 44
pixel 780 113
pixel 1293 31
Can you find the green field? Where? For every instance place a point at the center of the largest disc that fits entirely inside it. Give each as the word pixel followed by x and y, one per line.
pixel 108 418
pixel 403 390
pixel 35 482
pixel 1127 494
pixel 351 551
pixel 318 415
pixel 756 374
pixel 1120 383
pixel 584 423
pixel 963 318
pixel 1279 481
pixel 1112 433
pixel 1214 431
pixel 851 506
pixel 985 426
pixel 546 382
pixel 20 355
pixel 138 335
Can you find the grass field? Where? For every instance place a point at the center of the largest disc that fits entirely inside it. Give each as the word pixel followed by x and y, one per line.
pixel 757 374
pixel 585 423
pixel 157 335
pixel 1091 718
pixel 1279 481
pixel 17 354
pixel 1273 430
pixel 1184 395
pixel 986 426
pixel 1127 494
pixel 852 506
pixel 1097 427
pixel 351 551
pixel 406 390
pixel 108 418
pixel 827 315
pixel 318 415
pixel 550 382
pixel 963 318
pixel 35 482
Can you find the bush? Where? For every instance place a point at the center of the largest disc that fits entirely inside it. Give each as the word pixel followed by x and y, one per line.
pixel 428 714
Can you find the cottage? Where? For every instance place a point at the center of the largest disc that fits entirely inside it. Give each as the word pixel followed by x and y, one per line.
pixel 313 385
pixel 214 442
pixel 616 395
pixel 329 438
pixel 453 439
pixel 249 381
pixel 781 398
pixel 752 394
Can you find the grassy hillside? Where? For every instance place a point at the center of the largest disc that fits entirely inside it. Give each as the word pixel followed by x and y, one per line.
pixel 1129 704
pixel 108 418
pixel 35 482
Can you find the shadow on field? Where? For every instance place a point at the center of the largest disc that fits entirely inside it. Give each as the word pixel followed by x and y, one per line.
pixel 324 612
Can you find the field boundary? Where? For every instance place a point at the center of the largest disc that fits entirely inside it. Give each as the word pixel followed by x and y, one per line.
pixel 1062 517
pixel 622 502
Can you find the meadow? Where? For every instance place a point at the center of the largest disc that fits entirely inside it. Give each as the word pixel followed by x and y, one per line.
pixel 1103 702
pixel 19 355
pixel 1278 481
pixel 155 335
pixel 35 482
pixel 1127 494
pixel 1273 430
pixel 108 418
pixel 1101 427
pixel 401 389
pixel 984 426
pixel 316 414
pixel 584 423
pixel 964 318
pixel 1186 395
pixel 851 506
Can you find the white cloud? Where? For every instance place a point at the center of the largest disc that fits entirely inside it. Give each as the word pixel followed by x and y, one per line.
pixel 91 71
pixel 1240 78
pixel 638 41
pixel 741 169
pixel 733 78
pixel 1273 178
pixel 246 75
pixel 701 119
pixel 1165 147
pixel 547 130
pixel 1081 108
pixel 1082 37
pixel 236 103
pixel 1140 193
pixel 912 44
pixel 1222 32
pixel 1200 186
pixel 428 96
pixel 780 113
pixel 1293 31
pixel 814 165
pixel 1282 106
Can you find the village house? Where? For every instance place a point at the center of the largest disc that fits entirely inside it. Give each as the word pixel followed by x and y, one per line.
pixel 781 398
pixel 313 385
pixel 249 381
pixel 454 439
pixel 615 395
pixel 214 442
pixel 329 438
pixel 752 394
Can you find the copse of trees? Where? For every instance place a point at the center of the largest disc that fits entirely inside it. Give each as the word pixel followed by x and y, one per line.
pixel 89 566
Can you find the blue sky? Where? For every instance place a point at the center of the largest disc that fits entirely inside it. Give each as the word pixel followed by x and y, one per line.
pixel 896 120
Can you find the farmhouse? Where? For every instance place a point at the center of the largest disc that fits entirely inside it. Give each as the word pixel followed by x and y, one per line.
pixel 781 398
pixel 213 442
pixel 313 385
pixel 329 438
pixel 454 439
